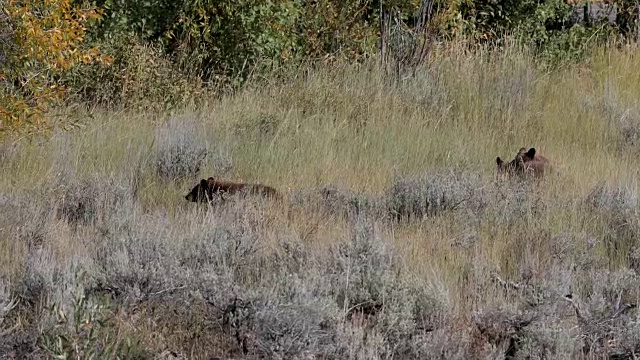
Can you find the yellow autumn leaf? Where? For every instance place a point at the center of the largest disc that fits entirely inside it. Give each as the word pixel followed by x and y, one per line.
pixel 49 38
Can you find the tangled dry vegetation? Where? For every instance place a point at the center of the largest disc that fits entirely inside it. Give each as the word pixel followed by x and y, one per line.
pixel 394 239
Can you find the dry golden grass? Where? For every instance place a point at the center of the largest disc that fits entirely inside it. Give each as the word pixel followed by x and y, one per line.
pixel 353 127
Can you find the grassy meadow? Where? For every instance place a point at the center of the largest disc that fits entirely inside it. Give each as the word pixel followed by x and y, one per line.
pixel 394 238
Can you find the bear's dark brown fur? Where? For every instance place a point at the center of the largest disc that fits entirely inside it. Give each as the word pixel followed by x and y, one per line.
pixel 526 162
pixel 207 189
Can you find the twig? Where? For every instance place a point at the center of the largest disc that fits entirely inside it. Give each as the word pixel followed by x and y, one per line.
pixel 349 310
pixel 581 318
pixel 506 284
pixel 168 290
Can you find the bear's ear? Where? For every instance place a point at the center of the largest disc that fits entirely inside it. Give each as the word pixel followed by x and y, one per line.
pixel 531 153
pixel 499 161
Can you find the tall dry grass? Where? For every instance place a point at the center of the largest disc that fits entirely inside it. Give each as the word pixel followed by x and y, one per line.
pixel 394 239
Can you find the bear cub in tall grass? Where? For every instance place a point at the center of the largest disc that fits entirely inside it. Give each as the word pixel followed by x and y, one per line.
pixel 526 162
pixel 207 189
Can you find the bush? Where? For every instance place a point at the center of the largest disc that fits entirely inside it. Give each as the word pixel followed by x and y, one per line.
pixel 243 36
pixel 34 58
pixel 133 262
pixel 140 76
pixel 337 202
pixel 616 209
pixel 180 152
pixel 93 201
pixel 293 326
pixel 432 194
pixel 571 45
pixel 82 330
pixel 619 202
pixel 539 313
pixel 28 215
pixel 374 292
pixel 549 27
pixel 348 203
pixel 622 118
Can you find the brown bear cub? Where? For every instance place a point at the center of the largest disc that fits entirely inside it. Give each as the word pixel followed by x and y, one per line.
pixel 526 162
pixel 207 189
